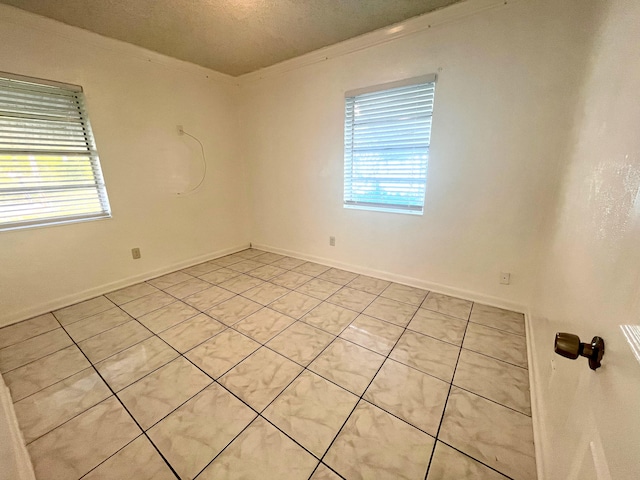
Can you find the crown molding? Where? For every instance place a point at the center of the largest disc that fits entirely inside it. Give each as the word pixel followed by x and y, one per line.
pixel 442 16
pixel 77 35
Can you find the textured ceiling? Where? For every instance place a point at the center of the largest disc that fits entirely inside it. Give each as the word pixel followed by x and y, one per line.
pixel 230 36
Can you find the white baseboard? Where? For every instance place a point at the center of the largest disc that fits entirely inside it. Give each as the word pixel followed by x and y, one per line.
pixel 539 430
pixel 411 281
pixel 35 310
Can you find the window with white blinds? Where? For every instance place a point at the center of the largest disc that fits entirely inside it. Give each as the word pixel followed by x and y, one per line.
pixel 386 145
pixel 49 167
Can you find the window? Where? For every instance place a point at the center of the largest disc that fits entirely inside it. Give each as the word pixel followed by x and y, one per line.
pixel 386 145
pixel 49 167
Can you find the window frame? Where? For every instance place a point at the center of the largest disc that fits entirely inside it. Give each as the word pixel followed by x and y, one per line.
pixel 30 144
pixel 428 81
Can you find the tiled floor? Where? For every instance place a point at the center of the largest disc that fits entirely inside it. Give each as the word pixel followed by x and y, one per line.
pixel 261 366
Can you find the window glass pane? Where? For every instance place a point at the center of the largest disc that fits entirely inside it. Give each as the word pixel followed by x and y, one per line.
pixel 387 137
pixel 49 167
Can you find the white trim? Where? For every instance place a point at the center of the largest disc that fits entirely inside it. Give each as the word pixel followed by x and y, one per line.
pixel 392 277
pixel 74 298
pixel 539 429
pixel 439 17
pixel 41 81
pixel 406 82
pixel 78 35
pixel 16 463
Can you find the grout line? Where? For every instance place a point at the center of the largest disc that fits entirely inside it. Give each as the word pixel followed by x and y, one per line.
pixel 128 412
pixel 360 398
pixel 444 410
pixel 475 459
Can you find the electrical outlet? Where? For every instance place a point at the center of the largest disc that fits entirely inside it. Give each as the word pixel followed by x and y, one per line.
pixel 332 241
pixel 505 278
pixel 180 130
pixel 135 253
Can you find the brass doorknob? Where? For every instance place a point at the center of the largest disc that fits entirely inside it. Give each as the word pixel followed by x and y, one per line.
pixel 568 345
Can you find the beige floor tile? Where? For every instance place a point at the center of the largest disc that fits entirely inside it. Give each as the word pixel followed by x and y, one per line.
pixel 186 335
pixel 241 283
pixel 352 299
pixel 263 325
pixel 311 410
pixel 319 288
pixel 20 354
pixel 138 461
pixel 374 444
pixel 347 364
pixel 336 275
pixel 495 435
pixel 288 263
pixel 134 292
pixel 112 341
pixel 82 310
pixel 405 294
pixel 167 317
pixel 372 333
pixel 47 409
pixel 437 325
pixel 311 269
pixel 499 344
pixel 155 396
pixel 184 289
pixel 25 330
pixel 413 396
pixel 512 322
pixel 260 378
pixel 449 464
pixel 291 280
pixel 294 304
pixel 452 306
pixel 168 280
pixel 82 443
pixel 233 310
pixel 250 253
pixel 208 298
pixel 301 342
pixel 263 452
pixel 268 257
pixel 284 314
pixel 190 437
pixel 219 276
pixel 126 367
pixel 201 269
pixel 324 473
pixel 245 266
pixel 147 304
pixel 391 311
pixel 371 285
pixel 219 354
pixel 44 372
pixel 330 318
pixel 90 326
pixel 426 354
pixel 266 293
pixel 493 379
pixel 266 272
pixel 226 260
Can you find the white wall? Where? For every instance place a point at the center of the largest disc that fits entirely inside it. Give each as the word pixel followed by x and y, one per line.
pixel 589 283
pixel 506 88
pixel 135 100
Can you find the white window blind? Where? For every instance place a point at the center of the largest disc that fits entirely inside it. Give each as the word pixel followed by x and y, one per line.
pixel 386 145
pixel 49 167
